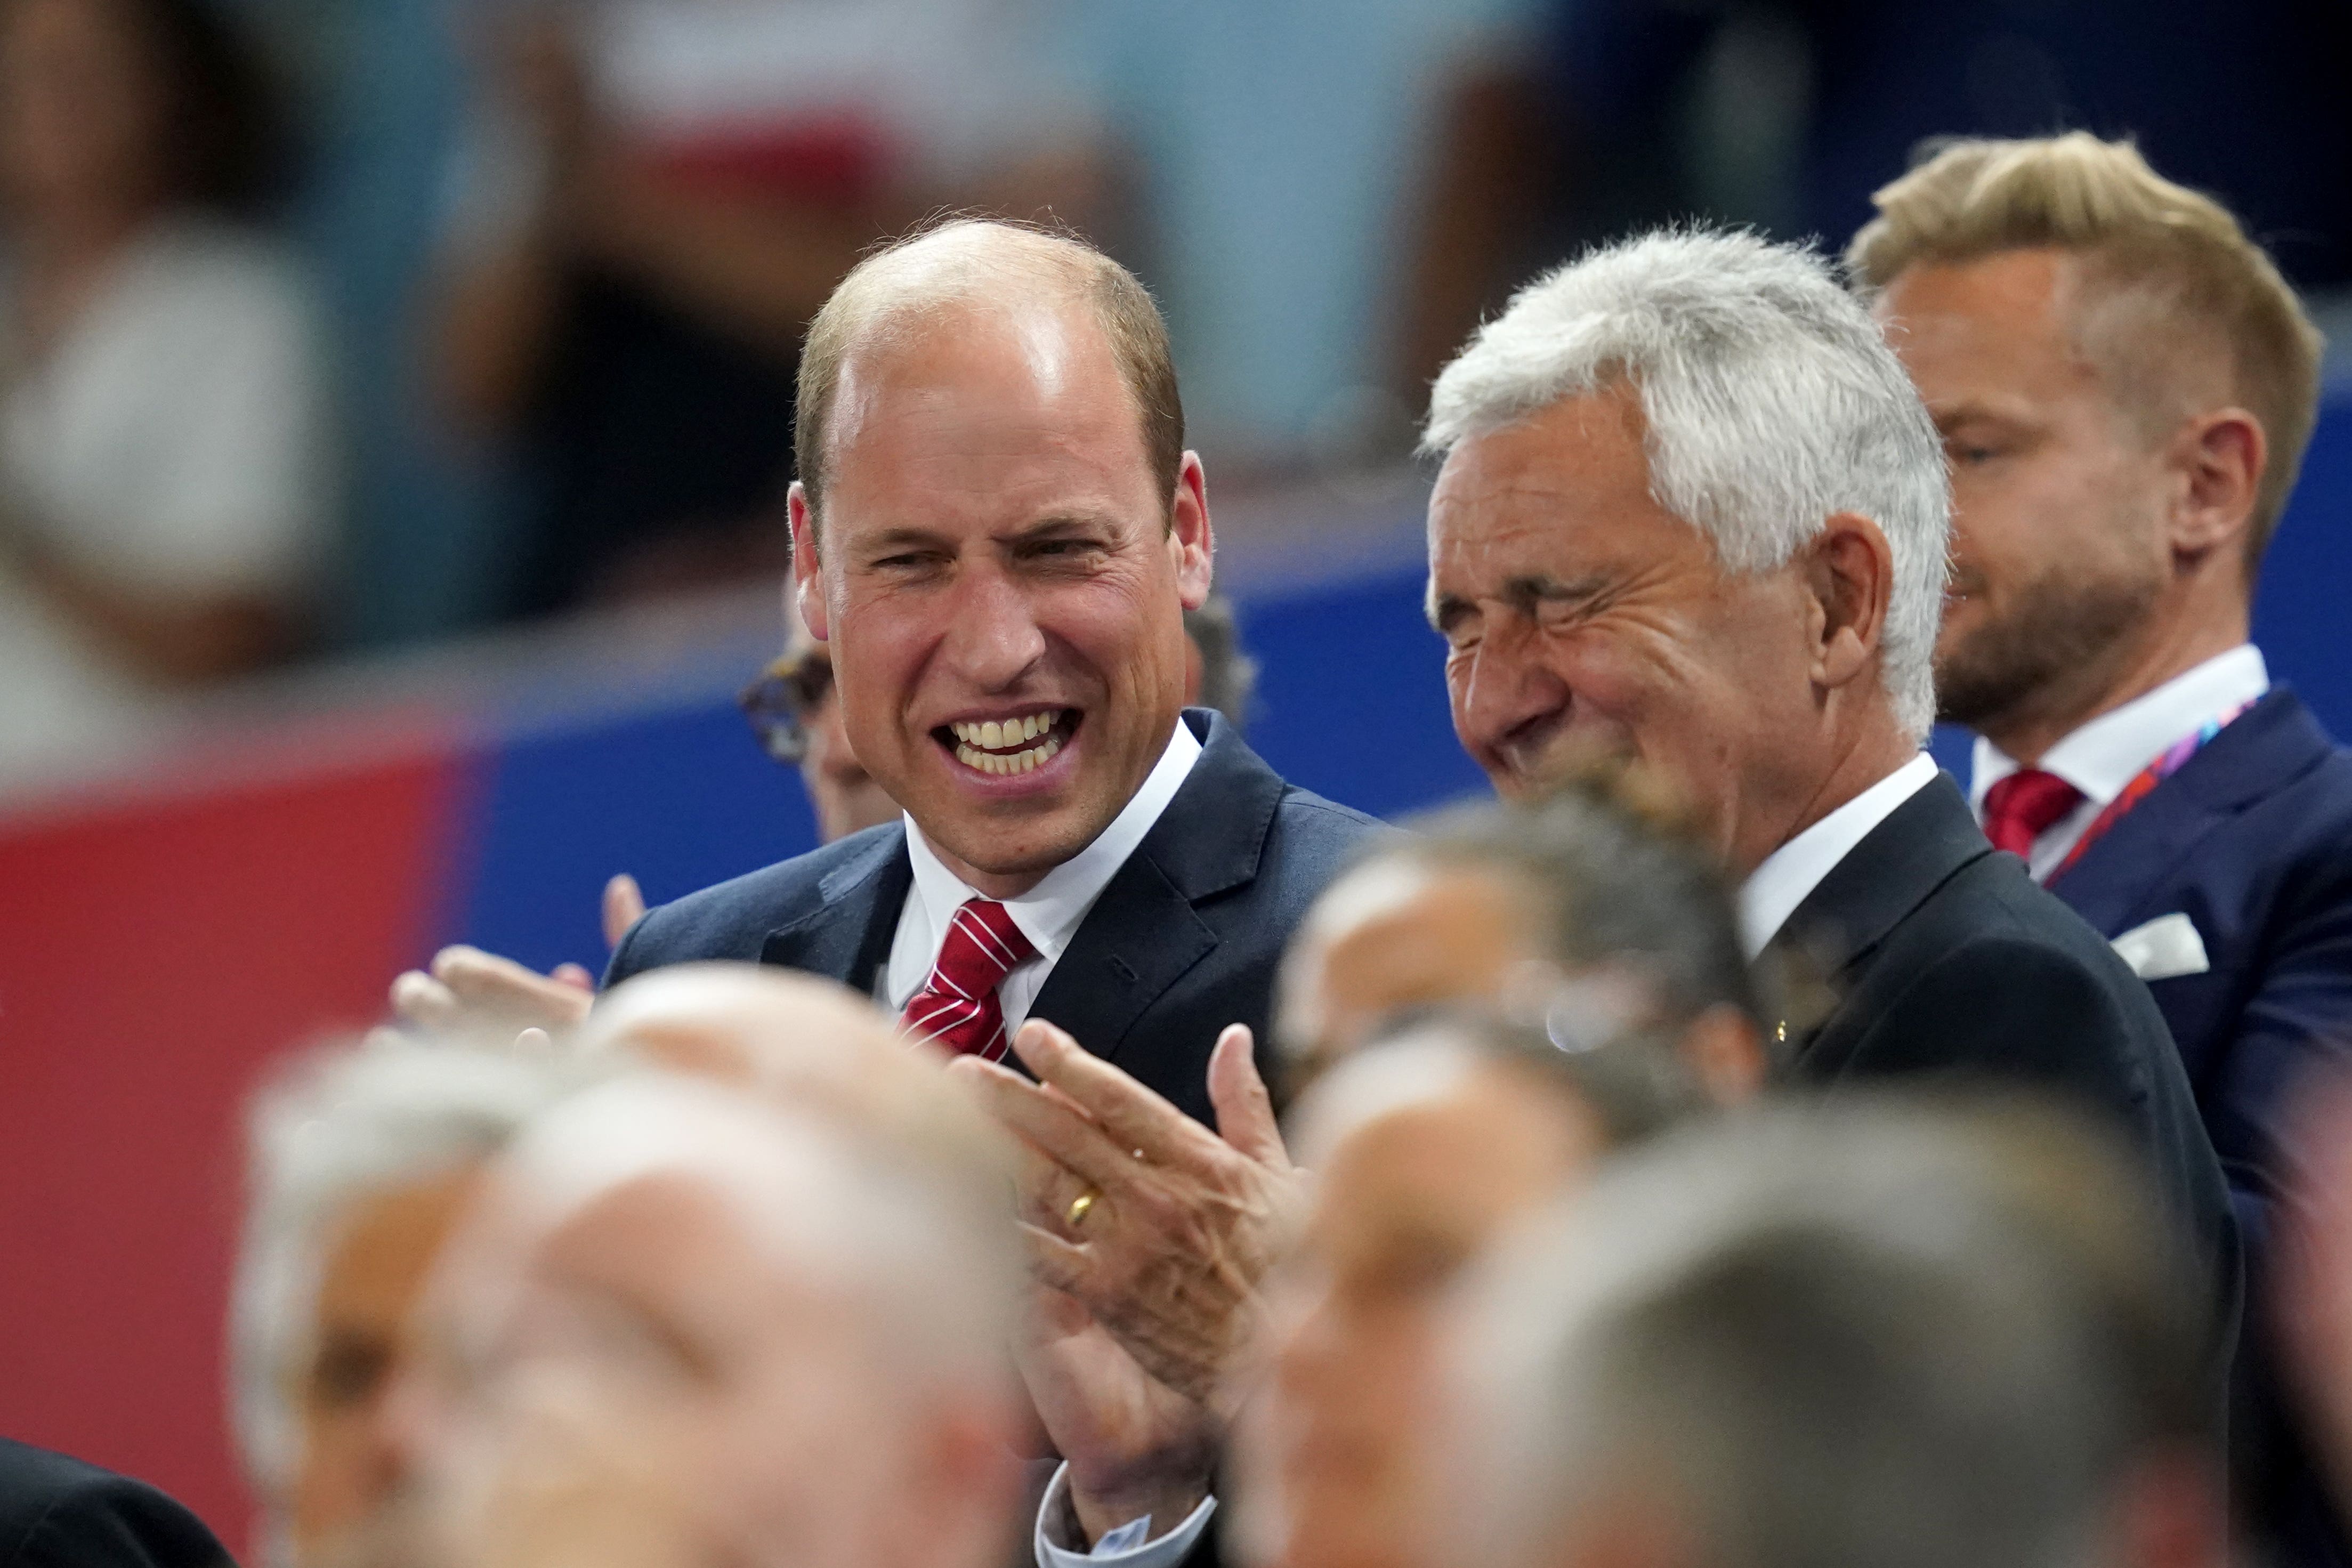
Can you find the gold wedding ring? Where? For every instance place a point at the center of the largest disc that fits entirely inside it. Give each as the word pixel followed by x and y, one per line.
pixel 1080 1207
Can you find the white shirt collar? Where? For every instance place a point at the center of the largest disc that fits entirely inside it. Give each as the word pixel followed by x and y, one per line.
pixel 1049 914
pixel 2109 751
pixel 1793 870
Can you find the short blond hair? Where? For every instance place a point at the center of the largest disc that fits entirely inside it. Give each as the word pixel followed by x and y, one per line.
pixel 2174 264
pixel 968 260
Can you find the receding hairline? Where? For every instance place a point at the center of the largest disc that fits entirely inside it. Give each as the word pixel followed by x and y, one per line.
pixel 968 268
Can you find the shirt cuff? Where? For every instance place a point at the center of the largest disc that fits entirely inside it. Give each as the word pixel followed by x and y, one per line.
pixel 1126 1547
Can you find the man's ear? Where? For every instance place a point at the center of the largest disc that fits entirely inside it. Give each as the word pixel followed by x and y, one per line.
pixel 1849 570
pixel 808 571
pixel 1189 535
pixel 2216 460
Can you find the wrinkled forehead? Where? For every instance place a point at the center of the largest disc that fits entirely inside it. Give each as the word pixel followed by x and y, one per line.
pixel 1566 486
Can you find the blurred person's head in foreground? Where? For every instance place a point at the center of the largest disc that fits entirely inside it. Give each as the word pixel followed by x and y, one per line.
pixel 1598 883
pixel 1692 513
pixel 699 1324
pixel 1425 1144
pixel 2316 1287
pixel 1838 1334
pixel 996 531
pixel 112 110
pixel 797 1039
pixel 360 1160
pixel 2125 385
pixel 797 714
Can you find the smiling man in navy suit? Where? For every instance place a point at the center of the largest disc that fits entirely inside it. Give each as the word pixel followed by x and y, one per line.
pixel 2125 387
pixel 997 531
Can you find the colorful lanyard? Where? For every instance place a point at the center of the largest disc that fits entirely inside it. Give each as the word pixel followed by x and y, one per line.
pixel 2176 757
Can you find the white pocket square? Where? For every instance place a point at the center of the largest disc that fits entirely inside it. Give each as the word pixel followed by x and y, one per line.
pixel 2167 946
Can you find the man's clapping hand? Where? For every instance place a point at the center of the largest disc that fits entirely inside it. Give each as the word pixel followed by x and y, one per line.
pixel 471 992
pixel 1134 1447
pixel 1179 1224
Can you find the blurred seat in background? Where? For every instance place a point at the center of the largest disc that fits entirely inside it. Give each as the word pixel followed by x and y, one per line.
pixel 653 199
pixel 164 481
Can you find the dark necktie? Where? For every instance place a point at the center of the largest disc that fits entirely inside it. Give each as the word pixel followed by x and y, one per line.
pixel 2021 808
pixel 956 1008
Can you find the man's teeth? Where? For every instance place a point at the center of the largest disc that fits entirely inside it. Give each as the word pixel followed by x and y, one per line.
pixel 995 734
pixel 1013 762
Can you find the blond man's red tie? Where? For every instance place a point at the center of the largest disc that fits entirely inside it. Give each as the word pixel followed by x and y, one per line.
pixel 2024 805
pixel 956 1008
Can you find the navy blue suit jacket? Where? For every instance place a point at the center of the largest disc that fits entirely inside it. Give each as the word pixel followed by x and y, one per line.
pixel 2251 840
pixel 1183 941
pixel 57 1512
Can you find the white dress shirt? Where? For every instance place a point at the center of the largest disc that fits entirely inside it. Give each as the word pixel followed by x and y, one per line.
pixel 1049 914
pixel 2108 752
pixel 1130 1546
pixel 1793 870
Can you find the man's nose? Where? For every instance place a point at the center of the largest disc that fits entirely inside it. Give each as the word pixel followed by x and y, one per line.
pixel 992 637
pixel 1504 687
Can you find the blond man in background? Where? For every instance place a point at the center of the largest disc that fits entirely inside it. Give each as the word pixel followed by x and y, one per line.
pixel 2125 385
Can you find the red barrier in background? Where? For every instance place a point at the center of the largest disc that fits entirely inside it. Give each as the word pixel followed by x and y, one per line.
pixel 153 956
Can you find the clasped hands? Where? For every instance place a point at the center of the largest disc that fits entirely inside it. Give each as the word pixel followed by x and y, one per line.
pixel 1149 1237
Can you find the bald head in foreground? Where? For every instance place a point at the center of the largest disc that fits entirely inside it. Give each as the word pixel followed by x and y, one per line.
pixel 1859 1336
pixel 1692 512
pixel 746 1306
pixel 997 533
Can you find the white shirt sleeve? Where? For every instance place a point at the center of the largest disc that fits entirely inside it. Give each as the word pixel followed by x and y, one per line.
pixel 1129 1546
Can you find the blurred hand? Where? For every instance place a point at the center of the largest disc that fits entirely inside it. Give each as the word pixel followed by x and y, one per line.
pixel 1183 1223
pixel 469 992
pixel 624 906
pixel 1134 1447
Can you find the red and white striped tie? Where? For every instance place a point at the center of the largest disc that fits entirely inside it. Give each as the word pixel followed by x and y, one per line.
pixel 956 1008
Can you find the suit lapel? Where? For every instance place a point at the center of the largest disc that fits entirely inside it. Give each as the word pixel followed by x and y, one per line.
pixel 1142 935
pixel 846 937
pixel 1927 840
pixel 2268 747
pixel 1137 941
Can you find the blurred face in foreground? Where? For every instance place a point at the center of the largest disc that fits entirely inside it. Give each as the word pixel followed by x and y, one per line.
pixel 844 796
pixel 1002 582
pixel 348 1470
pixel 2060 551
pixel 1397 934
pixel 658 1376
pixel 1420 1177
pixel 1582 618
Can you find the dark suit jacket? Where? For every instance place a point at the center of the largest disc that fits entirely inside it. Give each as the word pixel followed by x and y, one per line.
pixel 57 1512
pixel 2252 841
pixel 1183 941
pixel 1948 960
